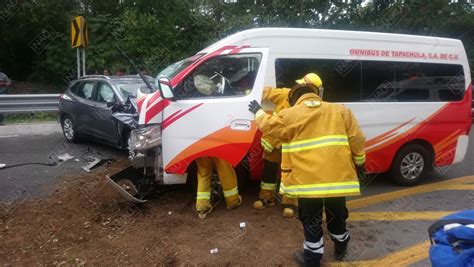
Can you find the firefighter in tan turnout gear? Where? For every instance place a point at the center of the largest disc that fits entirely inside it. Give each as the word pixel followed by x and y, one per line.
pixel 272 150
pixel 322 146
pixel 227 177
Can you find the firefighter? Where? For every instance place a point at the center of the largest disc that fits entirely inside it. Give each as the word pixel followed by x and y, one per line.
pixel 272 151
pixel 227 177
pixel 322 154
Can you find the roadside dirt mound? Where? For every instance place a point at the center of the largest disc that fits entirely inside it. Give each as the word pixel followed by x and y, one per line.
pixel 85 222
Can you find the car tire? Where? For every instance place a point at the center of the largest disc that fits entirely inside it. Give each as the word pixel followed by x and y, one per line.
pixel 412 164
pixel 69 129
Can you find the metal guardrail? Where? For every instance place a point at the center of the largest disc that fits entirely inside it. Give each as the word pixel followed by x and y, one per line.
pixel 29 103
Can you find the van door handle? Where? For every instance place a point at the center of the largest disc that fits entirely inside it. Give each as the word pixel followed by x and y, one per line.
pixel 241 125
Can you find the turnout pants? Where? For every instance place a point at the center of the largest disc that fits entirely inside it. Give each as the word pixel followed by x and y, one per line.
pixel 227 177
pixel 310 211
pixel 268 184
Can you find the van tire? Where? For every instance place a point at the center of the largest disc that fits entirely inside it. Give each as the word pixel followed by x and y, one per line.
pixel 412 164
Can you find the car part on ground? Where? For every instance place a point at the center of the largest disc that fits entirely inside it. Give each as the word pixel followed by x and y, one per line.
pixel 93 162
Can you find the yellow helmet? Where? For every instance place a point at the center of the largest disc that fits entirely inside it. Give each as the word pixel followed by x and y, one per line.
pixel 310 79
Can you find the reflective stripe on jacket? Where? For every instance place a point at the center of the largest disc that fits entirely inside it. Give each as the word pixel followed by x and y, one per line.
pixel 321 143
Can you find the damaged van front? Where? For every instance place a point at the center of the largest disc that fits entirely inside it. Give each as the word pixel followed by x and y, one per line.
pixel 198 110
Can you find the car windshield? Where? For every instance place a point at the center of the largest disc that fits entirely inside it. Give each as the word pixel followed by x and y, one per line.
pixel 130 88
pixel 175 68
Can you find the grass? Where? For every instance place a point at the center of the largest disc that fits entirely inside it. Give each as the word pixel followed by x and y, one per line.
pixel 30 117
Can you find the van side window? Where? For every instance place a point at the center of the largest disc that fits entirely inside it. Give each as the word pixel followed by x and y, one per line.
pixel 341 78
pixel 377 81
pixel 229 75
pixel 423 81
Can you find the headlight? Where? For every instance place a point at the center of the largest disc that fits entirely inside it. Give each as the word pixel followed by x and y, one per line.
pixel 145 138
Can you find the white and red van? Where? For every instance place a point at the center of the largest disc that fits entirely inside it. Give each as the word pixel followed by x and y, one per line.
pixel 411 95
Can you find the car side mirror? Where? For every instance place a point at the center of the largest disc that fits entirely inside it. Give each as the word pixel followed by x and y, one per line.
pixel 164 85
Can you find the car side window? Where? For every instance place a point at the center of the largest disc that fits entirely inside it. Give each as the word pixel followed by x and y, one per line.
pixel 85 90
pixel 228 75
pixel 105 93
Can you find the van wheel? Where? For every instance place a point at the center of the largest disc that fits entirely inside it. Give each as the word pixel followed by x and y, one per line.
pixel 411 164
pixel 69 129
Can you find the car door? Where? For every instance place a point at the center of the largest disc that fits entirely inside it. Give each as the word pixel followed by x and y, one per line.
pixel 101 123
pixel 216 124
pixel 84 106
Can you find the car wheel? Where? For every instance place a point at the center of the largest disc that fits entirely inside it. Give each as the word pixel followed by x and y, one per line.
pixel 69 129
pixel 411 164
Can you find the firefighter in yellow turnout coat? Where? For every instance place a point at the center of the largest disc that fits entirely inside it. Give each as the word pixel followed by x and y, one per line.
pixel 272 149
pixel 322 145
pixel 272 158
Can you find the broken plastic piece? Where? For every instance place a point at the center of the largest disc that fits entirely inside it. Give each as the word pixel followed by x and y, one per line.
pixel 65 157
pixel 214 251
pixel 92 164
pixel 242 225
pixel 2 165
pixel 127 189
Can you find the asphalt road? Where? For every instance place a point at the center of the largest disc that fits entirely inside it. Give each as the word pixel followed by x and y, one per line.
pixel 37 180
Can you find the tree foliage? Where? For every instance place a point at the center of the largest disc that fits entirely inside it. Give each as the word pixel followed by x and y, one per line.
pixel 35 41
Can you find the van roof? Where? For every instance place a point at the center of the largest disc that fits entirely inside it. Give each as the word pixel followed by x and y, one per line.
pixel 242 37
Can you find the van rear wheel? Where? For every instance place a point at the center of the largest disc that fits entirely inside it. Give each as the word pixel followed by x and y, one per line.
pixel 411 164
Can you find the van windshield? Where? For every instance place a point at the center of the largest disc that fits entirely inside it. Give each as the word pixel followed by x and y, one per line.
pixel 175 68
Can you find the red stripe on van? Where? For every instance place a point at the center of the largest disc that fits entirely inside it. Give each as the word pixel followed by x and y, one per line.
pixel 168 122
pixel 155 109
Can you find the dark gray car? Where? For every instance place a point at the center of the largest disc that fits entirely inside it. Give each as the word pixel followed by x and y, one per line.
pixel 85 108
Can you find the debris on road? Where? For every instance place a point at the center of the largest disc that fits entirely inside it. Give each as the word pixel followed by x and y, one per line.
pixel 242 225
pixel 214 251
pixel 4 166
pixel 65 157
pixel 93 162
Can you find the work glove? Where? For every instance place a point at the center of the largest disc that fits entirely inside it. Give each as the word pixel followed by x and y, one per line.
pixel 254 107
pixel 361 174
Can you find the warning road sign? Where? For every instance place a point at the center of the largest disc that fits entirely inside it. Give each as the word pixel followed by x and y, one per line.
pixel 79 33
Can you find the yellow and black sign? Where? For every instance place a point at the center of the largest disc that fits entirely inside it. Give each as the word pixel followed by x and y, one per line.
pixel 79 32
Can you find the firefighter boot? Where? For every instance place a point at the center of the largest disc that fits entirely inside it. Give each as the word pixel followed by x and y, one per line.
pixel 203 213
pixel 340 249
pixel 263 203
pixel 289 206
pixel 298 257
pixel 203 207
pixel 288 212
pixel 231 206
